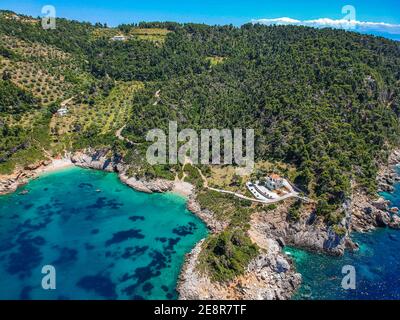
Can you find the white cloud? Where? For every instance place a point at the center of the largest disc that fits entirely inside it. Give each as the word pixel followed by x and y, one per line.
pixel 331 23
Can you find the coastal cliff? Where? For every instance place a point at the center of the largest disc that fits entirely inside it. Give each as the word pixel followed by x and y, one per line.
pixel 370 212
pixel 271 275
pixel 11 182
pixel 309 232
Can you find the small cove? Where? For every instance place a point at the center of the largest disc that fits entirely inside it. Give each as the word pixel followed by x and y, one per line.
pixel 105 240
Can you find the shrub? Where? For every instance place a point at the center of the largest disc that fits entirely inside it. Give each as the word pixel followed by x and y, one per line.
pixel 227 254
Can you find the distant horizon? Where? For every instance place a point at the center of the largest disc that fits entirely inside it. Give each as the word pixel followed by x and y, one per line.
pixel 376 17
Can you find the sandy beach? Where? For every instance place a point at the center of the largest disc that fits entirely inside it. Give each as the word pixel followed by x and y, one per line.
pixel 56 164
pixel 182 188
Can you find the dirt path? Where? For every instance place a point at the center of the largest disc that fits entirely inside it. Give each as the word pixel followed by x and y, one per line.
pixel 119 135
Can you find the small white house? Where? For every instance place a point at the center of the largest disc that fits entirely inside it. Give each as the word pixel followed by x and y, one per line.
pixel 62 111
pixel 118 38
pixel 274 182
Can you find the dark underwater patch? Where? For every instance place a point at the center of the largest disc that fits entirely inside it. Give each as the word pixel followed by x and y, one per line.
pixel 94 231
pixel 84 185
pixel 34 224
pixel 121 236
pixel 67 255
pixel 144 274
pixel 101 285
pixel 171 244
pixel 38 240
pixel 41 210
pixel 164 288
pixel 25 293
pixel 6 245
pixel 185 230
pixel 89 246
pixel 133 252
pixel 102 202
pixel 136 218
pixel 147 287
pixel 26 258
pixel 28 206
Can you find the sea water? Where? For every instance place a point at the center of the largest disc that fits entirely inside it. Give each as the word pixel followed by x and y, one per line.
pixel 105 240
pixel 376 264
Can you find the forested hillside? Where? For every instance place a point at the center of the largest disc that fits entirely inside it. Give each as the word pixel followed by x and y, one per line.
pixel 325 101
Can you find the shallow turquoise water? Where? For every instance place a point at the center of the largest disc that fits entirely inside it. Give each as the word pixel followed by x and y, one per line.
pixel 377 266
pixel 105 240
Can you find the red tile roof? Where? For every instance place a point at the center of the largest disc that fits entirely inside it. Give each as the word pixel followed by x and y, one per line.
pixel 275 176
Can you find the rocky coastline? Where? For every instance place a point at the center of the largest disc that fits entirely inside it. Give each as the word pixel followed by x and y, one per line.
pixel 271 275
pixel 369 213
pixel 309 232
pixel 11 182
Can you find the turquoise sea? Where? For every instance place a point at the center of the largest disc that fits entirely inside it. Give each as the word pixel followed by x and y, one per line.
pixel 377 266
pixel 105 240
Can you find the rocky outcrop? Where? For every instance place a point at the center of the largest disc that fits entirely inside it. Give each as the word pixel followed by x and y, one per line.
pixel 104 160
pixel 369 214
pixel 387 175
pixel 270 276
pixel 206 215
pixel 10 183
pixel 98 159
pixel 309 232
pixel 158 185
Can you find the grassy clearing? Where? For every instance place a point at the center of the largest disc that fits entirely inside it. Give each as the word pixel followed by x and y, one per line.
pixel 157 35
pixel 107 33
pixel 215 60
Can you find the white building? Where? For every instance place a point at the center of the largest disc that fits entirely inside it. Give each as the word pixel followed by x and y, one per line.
pixel 118 38
pixel 274 182
pixel 62 111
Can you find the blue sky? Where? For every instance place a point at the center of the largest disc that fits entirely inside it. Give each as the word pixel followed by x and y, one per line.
pixel 212 12
pixel 379 17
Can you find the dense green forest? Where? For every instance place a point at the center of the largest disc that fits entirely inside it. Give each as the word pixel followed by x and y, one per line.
pixel 326 101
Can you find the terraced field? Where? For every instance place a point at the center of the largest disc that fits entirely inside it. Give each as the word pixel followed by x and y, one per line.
pixel 157 35
pixel 49 74
pixel 106 114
